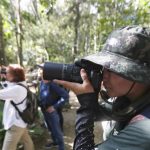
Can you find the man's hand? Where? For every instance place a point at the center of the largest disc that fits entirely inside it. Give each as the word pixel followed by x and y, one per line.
pixel 77 88
pixel 50 109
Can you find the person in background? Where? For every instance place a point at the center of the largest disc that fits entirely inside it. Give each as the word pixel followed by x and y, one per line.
pixel 16 128
pixel 52 99
pixel 125 62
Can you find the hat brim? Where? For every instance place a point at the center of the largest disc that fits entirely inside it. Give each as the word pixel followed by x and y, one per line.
pixel 121 65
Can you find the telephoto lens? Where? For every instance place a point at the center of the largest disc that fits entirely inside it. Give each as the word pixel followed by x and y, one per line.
pixel 71 72
pixel 67 72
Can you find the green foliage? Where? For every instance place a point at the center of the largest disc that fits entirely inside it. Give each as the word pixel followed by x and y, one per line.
pixel 29 17
pixel 1 113
pixel 49 35
pixel 4 4
pixel 2 131
pixel 142 12
pixel 45 3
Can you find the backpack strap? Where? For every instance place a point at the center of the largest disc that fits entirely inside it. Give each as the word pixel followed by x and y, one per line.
pixel 17 109
pixel 15 106
pixel 23 99
pixel 23 86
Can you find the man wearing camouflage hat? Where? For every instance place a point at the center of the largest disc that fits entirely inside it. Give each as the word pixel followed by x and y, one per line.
pixel 125 58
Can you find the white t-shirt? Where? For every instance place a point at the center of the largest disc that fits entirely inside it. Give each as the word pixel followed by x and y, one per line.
pixel 10 115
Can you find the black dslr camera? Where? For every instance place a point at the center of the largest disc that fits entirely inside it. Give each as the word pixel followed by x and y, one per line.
pixel 2 70
pixel 71 72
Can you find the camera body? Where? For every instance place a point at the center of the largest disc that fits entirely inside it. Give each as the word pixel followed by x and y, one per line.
pixel 2 74
pixel 71 72
pixel 2 70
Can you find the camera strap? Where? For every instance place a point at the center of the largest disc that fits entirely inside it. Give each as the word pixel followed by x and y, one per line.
pixel 131 108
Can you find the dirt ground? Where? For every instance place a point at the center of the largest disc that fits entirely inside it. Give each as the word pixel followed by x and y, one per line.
pixel 69 124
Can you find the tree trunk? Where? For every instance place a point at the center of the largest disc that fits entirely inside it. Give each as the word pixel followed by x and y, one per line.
pixel 19 33
pixel 76 28
pixel 2 47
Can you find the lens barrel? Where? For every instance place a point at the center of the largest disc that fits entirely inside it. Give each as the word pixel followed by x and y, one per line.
pixel 52 71
pixel 67 72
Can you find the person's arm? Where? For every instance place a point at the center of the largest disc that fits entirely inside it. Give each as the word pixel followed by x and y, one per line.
pixel 85 122
pixel 12 93
pixel 8 93
pixel 86 114
pixel 88 100
pixel 62 94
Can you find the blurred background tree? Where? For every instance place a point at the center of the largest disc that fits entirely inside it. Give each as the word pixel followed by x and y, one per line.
pixel 34 31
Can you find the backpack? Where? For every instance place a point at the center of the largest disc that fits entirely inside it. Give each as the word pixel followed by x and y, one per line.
pixel 29 114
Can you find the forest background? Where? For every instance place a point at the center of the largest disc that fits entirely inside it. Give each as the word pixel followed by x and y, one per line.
pixel 35 31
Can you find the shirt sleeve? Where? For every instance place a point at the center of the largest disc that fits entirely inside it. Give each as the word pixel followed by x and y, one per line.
pixel 11 93
pixel 135 136
pixel 85 121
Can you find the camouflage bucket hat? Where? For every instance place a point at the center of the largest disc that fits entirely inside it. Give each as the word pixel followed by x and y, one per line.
pixel 127 53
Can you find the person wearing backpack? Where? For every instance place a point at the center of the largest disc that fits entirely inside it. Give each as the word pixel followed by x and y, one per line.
pixel 52 98
pixel 16 128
